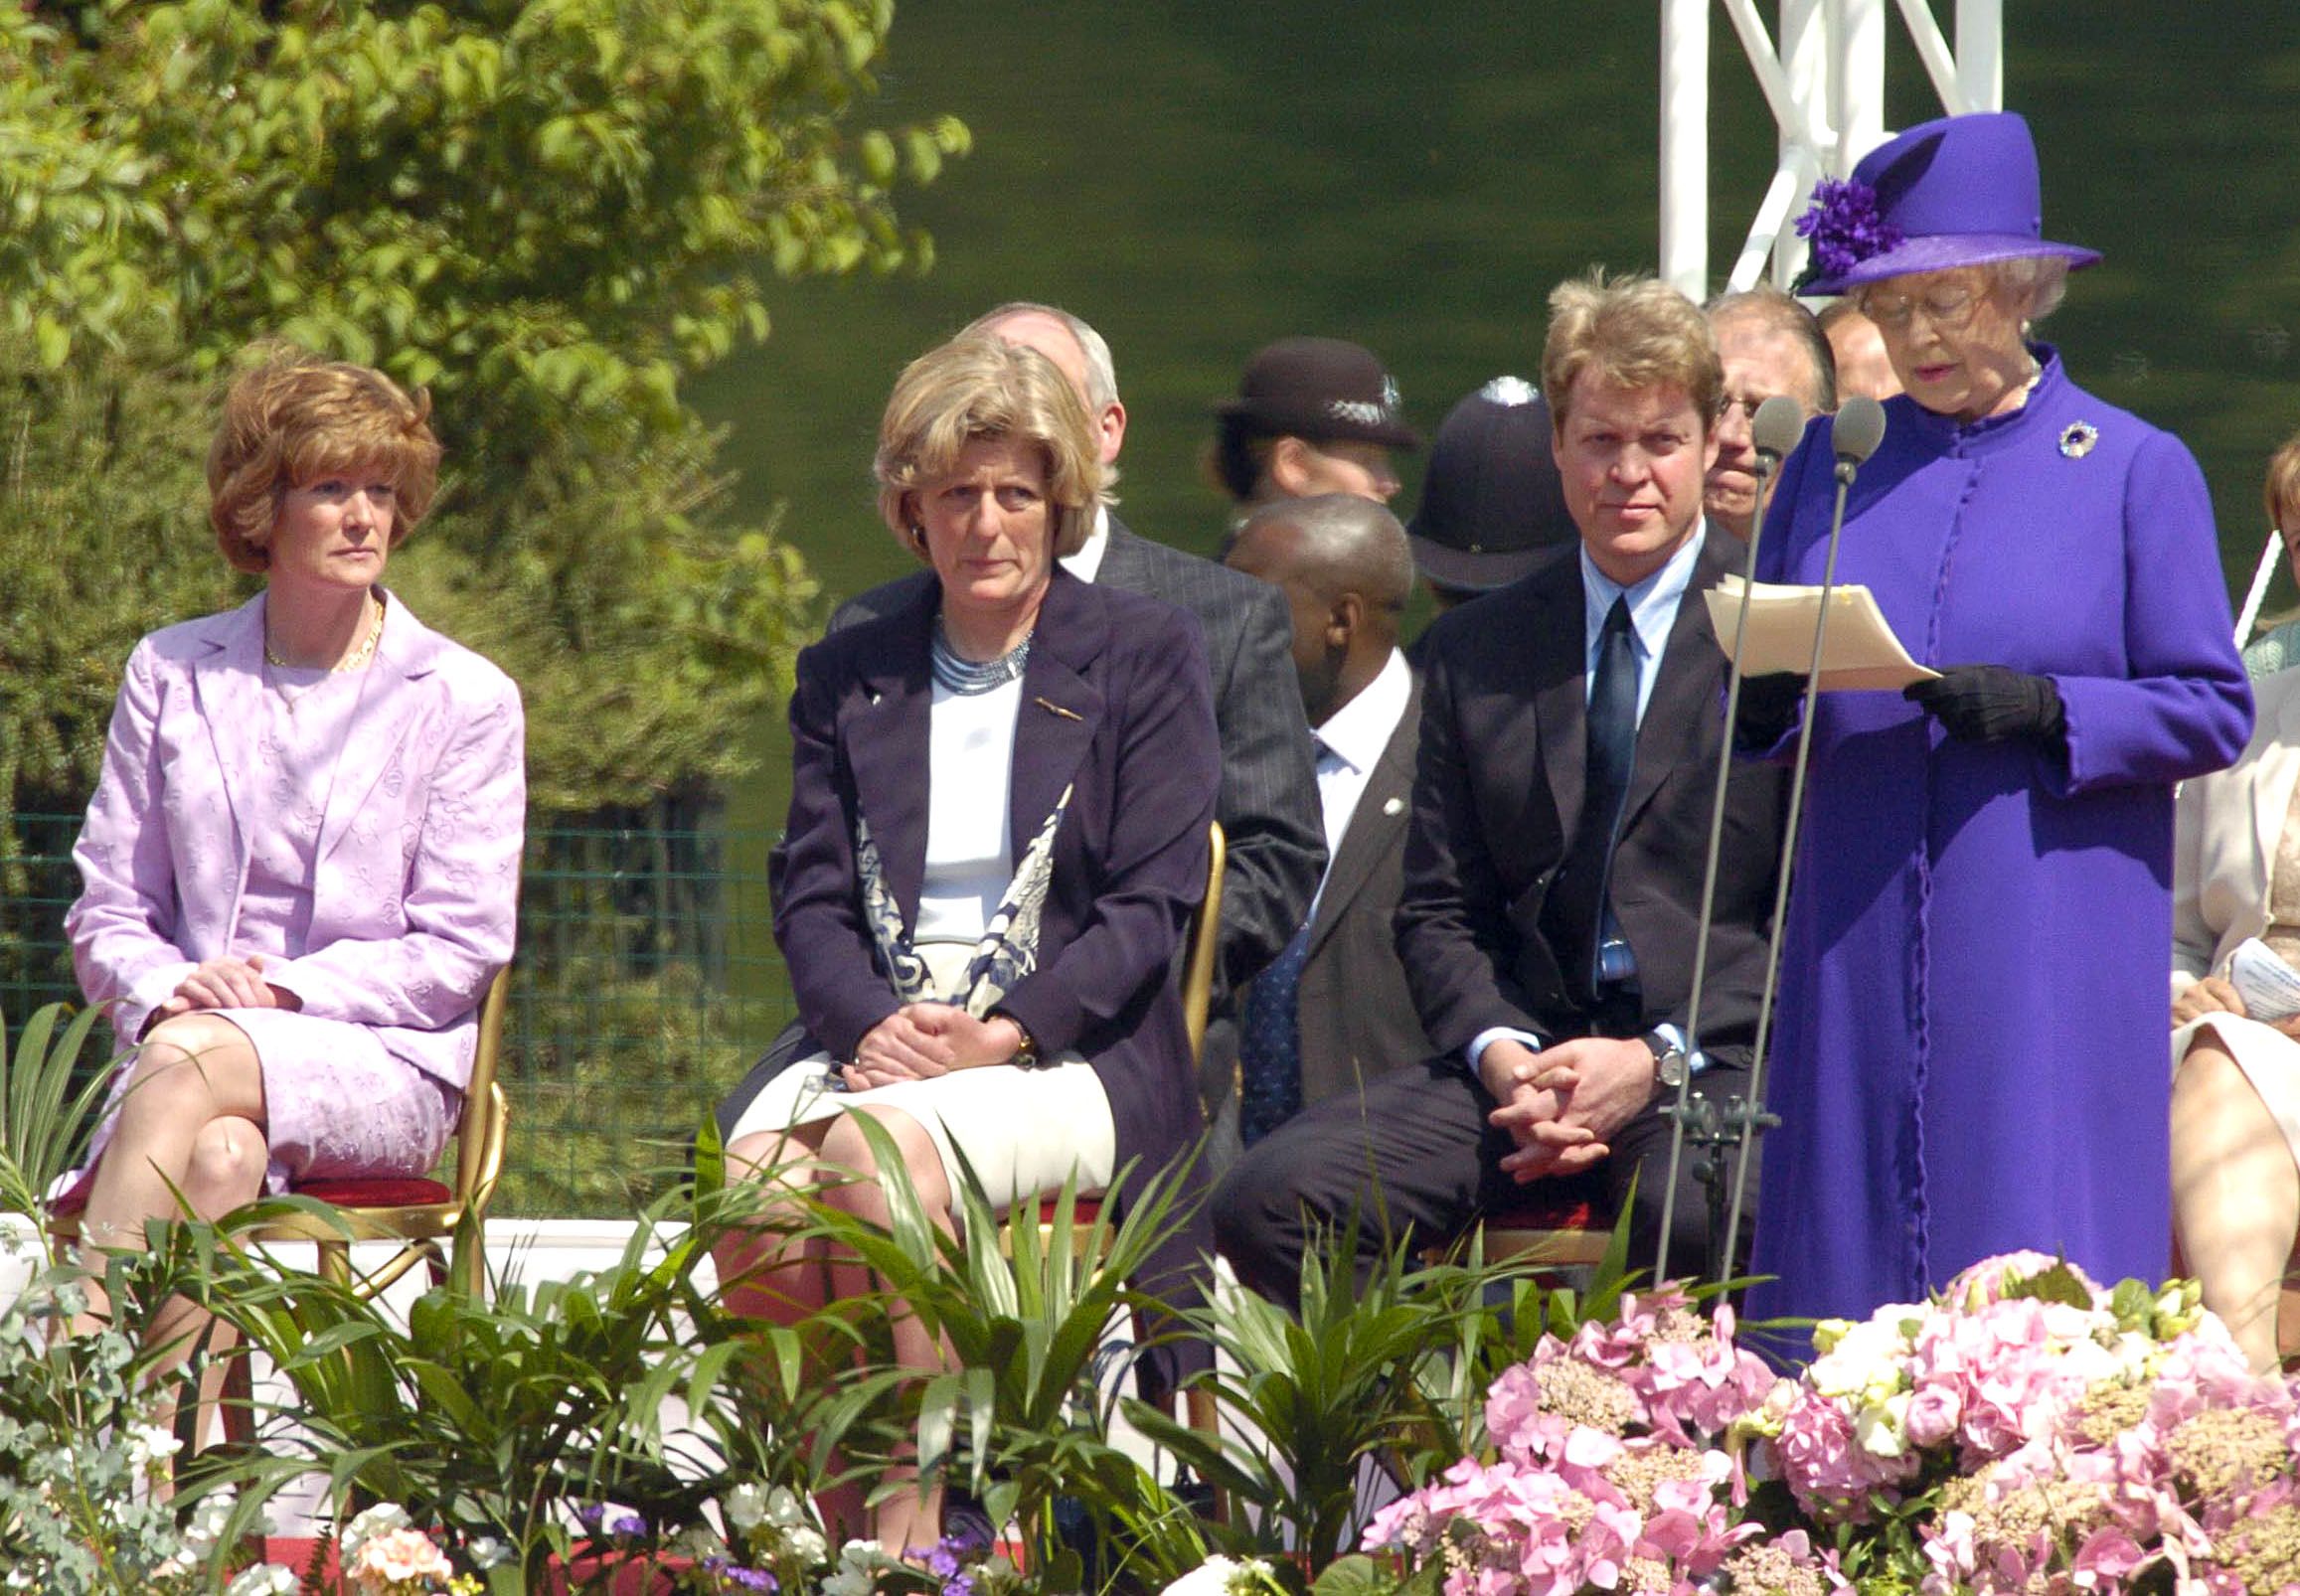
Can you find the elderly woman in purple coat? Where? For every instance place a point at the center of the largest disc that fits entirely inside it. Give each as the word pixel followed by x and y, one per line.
pixel 1970 1051
pixel 300 867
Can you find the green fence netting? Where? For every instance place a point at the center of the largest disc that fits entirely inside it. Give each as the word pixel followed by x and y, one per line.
pixel 646 980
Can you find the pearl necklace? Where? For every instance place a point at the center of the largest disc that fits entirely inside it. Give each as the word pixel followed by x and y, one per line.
pixel 355 657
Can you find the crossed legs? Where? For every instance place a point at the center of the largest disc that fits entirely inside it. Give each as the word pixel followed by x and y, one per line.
pixel 766 1279
pixel 189 1137
pixel 2235 1193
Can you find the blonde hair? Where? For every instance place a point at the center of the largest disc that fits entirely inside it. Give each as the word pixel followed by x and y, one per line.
pixel 975 387
pixel 2282 491
pixel 1634 332
pixel 296 419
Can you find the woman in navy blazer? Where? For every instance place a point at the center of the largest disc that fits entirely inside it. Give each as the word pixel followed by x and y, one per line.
pixel 997 833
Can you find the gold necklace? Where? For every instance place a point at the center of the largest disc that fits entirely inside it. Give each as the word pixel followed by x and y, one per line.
pixel 357 657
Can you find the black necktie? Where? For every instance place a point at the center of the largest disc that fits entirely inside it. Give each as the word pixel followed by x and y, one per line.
pixel 1583 921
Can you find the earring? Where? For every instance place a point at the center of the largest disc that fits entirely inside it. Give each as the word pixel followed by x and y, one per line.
pixel 917 537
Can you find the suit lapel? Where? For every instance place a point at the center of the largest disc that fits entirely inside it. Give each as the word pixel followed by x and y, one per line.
pixel 2279 772
pixel 1684 697
pixel 883 729
pixel 1561 701
pixel 230 684
pixel 382 723
pixel 1375 824
pixel 1061 709
pixel 1121 564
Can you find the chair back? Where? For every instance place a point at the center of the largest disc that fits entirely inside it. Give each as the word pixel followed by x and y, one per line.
pixel 1205 944
pixel 480 1139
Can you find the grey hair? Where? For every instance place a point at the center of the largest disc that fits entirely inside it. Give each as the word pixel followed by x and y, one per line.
pixel 1102 372
pixel 1351 543
pixel 1772 308
pixel 2044 279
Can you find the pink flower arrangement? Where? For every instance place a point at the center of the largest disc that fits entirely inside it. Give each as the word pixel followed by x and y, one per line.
pixel 2027 1430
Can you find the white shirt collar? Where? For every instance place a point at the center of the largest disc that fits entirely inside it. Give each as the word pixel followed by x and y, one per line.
pixel 1652 602
pixel 1088 562
pixel 1360 729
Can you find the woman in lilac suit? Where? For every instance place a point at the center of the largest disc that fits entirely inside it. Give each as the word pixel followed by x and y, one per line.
pixel 299 869
pixel 1000 797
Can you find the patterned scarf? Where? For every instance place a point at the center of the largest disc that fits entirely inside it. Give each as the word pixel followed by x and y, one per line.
pixel 1009 948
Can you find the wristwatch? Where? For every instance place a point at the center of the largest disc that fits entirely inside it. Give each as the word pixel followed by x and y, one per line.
pixel 1026 1056
pixel 1669 1069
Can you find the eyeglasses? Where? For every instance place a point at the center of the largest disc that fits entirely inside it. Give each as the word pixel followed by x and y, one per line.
pixel 1747 404
pixel 1949 309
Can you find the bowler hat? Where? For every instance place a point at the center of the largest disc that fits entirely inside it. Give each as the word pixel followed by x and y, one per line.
pixel 1316 388
pixel 1959 191
pixel 1491 500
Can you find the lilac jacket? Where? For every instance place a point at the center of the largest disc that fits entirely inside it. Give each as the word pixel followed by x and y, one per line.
pixel 415 884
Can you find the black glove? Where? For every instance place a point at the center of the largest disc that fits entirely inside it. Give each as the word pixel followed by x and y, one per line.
pixel 1992 703
pixel 1768 707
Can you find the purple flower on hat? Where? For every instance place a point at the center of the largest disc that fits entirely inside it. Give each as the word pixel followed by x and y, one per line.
pixel 1846 227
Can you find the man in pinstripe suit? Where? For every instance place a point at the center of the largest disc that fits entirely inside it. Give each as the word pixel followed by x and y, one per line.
pixel 1268 806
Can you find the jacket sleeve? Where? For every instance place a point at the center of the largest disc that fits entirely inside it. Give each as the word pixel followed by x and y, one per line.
pixel 2183 706
pixel 2193 940
pixel 460 899
pixel 123 925
pixel 818 919
pixel 1454 935
pixel 1168 771
pixel 1271 825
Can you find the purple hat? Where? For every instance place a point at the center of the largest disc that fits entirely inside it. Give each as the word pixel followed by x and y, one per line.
pixel 1491 500
pixel 1961 190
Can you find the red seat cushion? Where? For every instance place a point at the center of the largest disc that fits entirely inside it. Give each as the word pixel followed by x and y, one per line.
pixel 1083 1212
pixel 1548 1210
pixel 381 1192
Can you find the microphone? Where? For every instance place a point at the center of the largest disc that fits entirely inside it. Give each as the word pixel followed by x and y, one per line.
pixel 1774 432
pixel 1854 434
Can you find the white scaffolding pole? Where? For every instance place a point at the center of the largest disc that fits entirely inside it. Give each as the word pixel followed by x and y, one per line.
pixel 1684 255
pixel 1825 86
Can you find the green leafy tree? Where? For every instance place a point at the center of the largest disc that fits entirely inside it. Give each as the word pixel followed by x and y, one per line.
pixel 549 211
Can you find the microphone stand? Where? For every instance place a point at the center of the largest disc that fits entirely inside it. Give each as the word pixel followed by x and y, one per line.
pixel 1707 1127
pixel 1852 449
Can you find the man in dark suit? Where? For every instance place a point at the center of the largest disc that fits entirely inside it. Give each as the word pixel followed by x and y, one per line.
pixel 1268 807
pixel 1570 736
pixel 1333 1009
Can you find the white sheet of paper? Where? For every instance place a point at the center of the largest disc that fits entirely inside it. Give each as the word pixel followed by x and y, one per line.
pixel 1858 654
pixel 2269 987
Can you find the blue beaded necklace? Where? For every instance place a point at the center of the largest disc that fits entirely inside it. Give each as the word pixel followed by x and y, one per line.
pixel 965 677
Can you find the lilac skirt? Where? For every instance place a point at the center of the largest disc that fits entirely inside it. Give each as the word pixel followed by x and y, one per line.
pixel 336 1104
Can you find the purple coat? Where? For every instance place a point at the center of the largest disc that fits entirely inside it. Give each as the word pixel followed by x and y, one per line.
pixel 415 886
pixel 1969 1045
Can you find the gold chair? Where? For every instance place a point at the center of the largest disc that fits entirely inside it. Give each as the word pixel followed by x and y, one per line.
pixel 420 1213
pixel 1197 998
pixel 1554 1232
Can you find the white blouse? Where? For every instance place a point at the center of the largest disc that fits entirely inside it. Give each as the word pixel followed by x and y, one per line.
pixel 969 769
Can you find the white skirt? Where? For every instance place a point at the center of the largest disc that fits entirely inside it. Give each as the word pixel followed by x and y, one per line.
pixel 2269 1059
pixel 1024 1132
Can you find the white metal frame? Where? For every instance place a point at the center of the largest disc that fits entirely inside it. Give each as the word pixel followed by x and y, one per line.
pixel 1824 80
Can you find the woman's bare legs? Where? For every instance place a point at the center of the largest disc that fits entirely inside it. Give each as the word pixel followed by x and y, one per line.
pixel 2236 1195
pixel 778 1283
pixel 191 1123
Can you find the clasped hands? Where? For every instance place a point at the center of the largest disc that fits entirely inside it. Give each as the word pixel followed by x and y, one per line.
pixel 226 983
pixel 1562 1105
pixel 2214 995
pixel 921 1040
